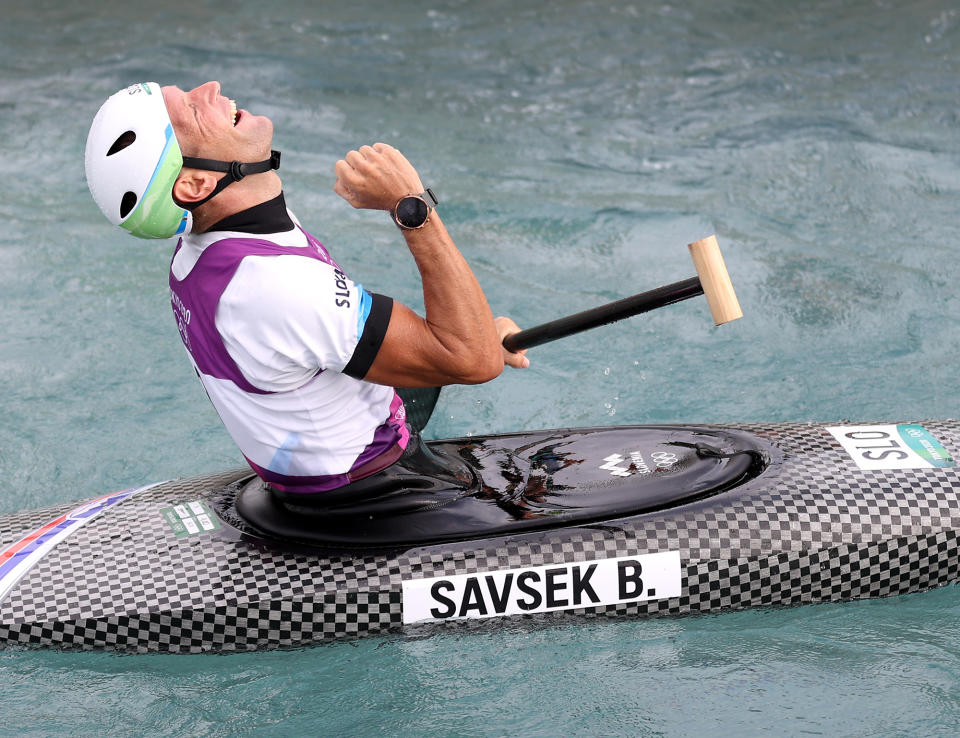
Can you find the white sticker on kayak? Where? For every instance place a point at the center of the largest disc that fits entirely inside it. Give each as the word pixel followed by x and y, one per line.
pixel 902 446
pixel 543 588
pixel 190 518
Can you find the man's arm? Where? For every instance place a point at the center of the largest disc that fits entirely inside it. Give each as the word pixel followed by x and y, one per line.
pixel 458 342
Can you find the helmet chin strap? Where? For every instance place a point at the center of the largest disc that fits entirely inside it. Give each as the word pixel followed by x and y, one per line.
pixel 235 172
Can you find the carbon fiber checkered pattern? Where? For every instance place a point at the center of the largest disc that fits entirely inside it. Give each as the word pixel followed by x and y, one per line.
pixel 813 529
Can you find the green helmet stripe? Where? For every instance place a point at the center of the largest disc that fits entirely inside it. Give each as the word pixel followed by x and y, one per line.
pixel 156 214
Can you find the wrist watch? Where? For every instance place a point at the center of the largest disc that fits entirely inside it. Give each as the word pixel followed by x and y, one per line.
pixel 412 211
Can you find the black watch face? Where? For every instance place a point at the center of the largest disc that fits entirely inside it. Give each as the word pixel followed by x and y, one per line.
pixel 412 212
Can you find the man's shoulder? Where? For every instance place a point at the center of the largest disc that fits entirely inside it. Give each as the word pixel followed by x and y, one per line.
pixel 286 282
pixel 285 296
pixel 287 267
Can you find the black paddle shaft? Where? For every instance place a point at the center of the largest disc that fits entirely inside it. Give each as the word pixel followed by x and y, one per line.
pixel 421 401
pixel 609 313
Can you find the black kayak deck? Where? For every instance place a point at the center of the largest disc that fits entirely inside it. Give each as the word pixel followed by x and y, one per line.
pixel 472 488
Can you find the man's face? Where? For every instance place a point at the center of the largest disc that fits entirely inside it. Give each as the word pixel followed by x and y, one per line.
pixel 205 126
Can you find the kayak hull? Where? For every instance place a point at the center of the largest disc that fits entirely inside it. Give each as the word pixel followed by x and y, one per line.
pixel 167 568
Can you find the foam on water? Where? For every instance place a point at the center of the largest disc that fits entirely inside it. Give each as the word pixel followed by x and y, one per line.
pixel 577 147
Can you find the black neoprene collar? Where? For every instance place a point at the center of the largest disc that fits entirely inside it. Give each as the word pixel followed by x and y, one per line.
pixel 267 217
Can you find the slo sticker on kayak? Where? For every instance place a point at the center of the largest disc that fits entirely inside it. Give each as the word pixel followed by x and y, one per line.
pixel 537 589
pixel 902 446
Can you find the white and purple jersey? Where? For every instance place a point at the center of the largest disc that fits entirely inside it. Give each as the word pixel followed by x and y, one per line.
pixel 281 339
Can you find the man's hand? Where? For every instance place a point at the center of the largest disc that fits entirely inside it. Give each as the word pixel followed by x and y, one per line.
pixel 376 177
pixel 506 327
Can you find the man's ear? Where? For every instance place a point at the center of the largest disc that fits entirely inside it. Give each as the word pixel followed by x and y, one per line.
pixel 193 185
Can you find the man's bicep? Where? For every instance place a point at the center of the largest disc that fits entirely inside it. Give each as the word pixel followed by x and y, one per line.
pixel 409 355
pixel 400 360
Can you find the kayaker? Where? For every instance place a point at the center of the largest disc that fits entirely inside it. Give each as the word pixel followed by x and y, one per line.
pixel 299 360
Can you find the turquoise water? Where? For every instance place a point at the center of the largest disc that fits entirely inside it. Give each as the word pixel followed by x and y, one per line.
pixel 577 148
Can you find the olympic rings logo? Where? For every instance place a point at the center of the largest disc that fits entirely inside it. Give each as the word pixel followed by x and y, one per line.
pixel 664 459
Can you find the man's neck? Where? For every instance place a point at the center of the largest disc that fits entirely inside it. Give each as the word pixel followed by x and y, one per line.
pixel 236 198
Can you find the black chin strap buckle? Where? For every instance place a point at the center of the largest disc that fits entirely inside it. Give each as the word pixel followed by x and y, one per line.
pixel 239 170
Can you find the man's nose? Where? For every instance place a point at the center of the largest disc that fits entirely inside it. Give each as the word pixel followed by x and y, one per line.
pixel 207 88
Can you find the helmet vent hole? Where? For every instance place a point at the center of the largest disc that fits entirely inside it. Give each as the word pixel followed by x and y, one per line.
pixel 124 140
pixel 127 203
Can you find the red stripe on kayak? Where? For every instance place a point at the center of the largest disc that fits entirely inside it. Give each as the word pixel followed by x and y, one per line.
pixel 23 542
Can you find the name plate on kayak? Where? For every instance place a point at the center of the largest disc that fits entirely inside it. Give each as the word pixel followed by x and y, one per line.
pixel 534 589
pixel 902 446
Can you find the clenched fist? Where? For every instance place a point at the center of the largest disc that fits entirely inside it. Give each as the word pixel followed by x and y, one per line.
pixel 376 177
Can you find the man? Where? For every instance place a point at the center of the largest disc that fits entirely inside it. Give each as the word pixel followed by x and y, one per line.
pixel 299 360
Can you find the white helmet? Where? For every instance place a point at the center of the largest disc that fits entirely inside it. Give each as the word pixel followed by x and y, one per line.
pixel 132 162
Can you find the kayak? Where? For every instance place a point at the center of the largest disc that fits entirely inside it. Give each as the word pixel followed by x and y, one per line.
pixel 538 527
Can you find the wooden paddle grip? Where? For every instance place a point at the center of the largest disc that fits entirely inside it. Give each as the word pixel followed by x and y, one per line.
pixel 715 280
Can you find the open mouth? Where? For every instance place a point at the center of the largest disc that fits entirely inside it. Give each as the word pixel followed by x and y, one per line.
pixel 234 112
